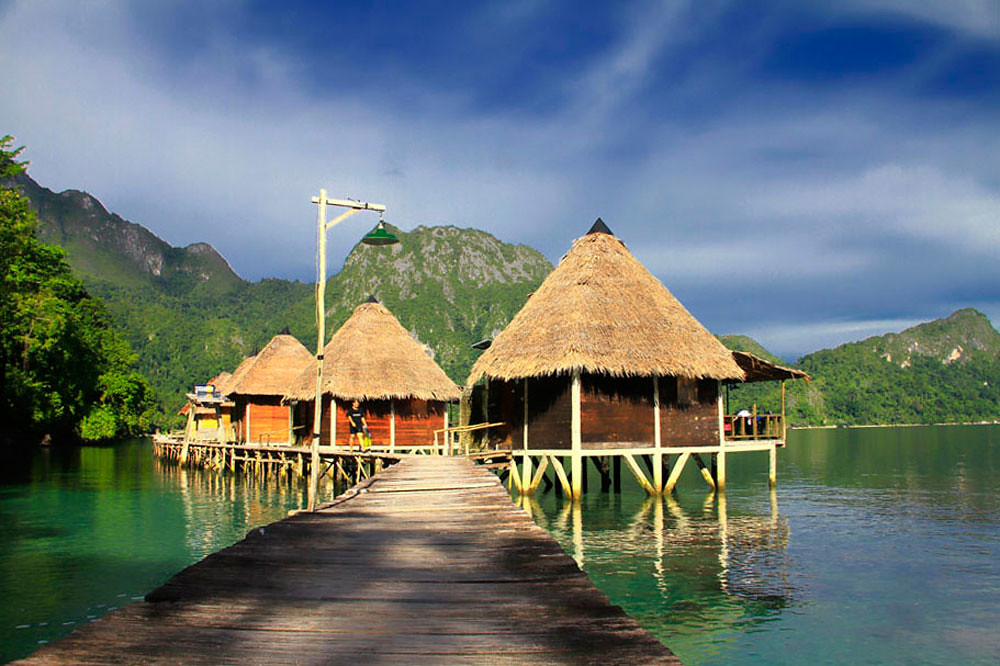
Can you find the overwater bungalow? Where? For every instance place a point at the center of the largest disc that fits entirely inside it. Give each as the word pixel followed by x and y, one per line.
pixel 258 386
pixel 603 362
pixel 209 411
pixel 402 392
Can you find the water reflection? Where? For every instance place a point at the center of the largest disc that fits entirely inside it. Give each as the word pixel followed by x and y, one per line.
pixel 90 528
pixel 707 565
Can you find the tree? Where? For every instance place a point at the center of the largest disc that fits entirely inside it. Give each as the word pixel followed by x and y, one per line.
pixel 61 362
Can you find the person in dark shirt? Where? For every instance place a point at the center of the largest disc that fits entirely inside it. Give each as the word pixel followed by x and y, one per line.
pixel 356 418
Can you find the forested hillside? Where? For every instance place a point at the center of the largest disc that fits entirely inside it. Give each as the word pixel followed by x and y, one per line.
pixel 65 370
pixel 943 371
pixel 189 316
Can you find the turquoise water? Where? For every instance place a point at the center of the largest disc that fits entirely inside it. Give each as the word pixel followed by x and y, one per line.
pixel 878 545
pixel 89 529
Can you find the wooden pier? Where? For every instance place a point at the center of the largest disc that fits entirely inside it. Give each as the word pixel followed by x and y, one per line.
pixel 428 562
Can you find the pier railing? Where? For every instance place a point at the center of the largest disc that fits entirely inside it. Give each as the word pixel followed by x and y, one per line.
pixel 449 445
pixel 753 426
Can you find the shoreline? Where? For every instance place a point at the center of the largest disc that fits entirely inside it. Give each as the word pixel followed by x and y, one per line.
pixel 893 425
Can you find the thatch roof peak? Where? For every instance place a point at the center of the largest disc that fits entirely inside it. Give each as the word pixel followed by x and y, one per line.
pixel 601 311
pixel 372 357
pixel 271 370
pixel 600 228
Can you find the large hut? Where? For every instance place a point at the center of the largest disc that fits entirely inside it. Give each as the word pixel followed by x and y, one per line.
pixel 604 360
pixel 257 387
pixel 374 360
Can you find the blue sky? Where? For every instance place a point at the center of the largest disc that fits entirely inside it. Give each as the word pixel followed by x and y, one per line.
pixel 801 173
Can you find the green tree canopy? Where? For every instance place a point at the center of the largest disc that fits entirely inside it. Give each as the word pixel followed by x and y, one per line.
pixel 63 369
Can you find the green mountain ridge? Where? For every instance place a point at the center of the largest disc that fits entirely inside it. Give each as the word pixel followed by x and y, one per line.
pixel 190 316
pixel 945 370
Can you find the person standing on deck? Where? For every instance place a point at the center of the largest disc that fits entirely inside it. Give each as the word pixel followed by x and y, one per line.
pixel 358 424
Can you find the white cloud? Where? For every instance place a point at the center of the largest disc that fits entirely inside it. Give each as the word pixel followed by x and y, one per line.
pixel 976 17
pixel 776 186
pixel 917 201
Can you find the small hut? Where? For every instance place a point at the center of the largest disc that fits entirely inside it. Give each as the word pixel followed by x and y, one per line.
pixel 257 387
pixel 374 360
pixel 206 409
pixel 602 360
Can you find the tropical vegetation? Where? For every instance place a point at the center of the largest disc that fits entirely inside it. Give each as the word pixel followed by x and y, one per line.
pixel 65 371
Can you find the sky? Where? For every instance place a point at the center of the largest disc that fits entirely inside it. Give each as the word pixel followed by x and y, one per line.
pixel 806 173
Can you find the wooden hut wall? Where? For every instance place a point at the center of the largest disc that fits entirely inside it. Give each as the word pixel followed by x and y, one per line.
pixel 689 423
pixel 504 405
pixel 269 420
pixel 616 412
pixel 416 420
pixel 549 412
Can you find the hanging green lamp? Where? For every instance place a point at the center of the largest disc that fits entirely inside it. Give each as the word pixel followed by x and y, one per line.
pixel 380 236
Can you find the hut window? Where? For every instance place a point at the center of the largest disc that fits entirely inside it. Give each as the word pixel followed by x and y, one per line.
pixel 687 389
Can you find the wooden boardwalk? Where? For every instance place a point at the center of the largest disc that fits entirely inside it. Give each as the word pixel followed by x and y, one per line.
pixel 428 562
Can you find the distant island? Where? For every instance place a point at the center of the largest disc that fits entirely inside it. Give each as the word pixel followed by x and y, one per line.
pixel 188 316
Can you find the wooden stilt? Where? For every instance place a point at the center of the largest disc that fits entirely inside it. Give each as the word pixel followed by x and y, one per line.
pixel 720 472
pixel 525 472
pixel 657 440
pixel 638 474
pixel 515 476
pixel 575 436
pixel 543 463
pixel 564 482
pixel 616 473
pixel 705 474
pixel 772 475
pixel 675 473
pixel 603 468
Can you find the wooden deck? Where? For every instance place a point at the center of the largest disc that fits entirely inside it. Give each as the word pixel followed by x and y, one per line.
pixel 428 562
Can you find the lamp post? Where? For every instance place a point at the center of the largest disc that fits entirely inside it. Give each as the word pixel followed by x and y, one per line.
pixel 377 237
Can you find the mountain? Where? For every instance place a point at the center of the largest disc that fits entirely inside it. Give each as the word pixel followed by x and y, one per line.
pixel 747 344
pixel 946 370
pixel 960 337
pixel 942 371
pixel 103 246
pixel 190 316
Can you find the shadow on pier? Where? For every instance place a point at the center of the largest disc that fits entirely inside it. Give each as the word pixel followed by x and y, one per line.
pixel 427 562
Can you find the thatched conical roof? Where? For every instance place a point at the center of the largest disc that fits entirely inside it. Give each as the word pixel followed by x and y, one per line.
pixel 372 357
pixel 271 370
pixel 601 311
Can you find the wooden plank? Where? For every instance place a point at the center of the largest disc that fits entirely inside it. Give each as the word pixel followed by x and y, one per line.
pixel 428 562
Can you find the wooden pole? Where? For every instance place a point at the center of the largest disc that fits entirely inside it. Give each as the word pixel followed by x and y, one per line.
pixel 576 462
pixel 320 341
pixel 392 424
pixel 720 470
pixel 784 421
pixel 658 456
pixel 675 473
pixel 772 475
pixel 187 434
pixel 705 474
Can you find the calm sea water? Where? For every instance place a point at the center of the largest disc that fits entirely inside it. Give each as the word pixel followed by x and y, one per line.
pixel 878 546
pixel 88 529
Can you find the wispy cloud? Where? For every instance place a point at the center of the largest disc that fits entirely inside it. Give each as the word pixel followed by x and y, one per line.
pixel 862 199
